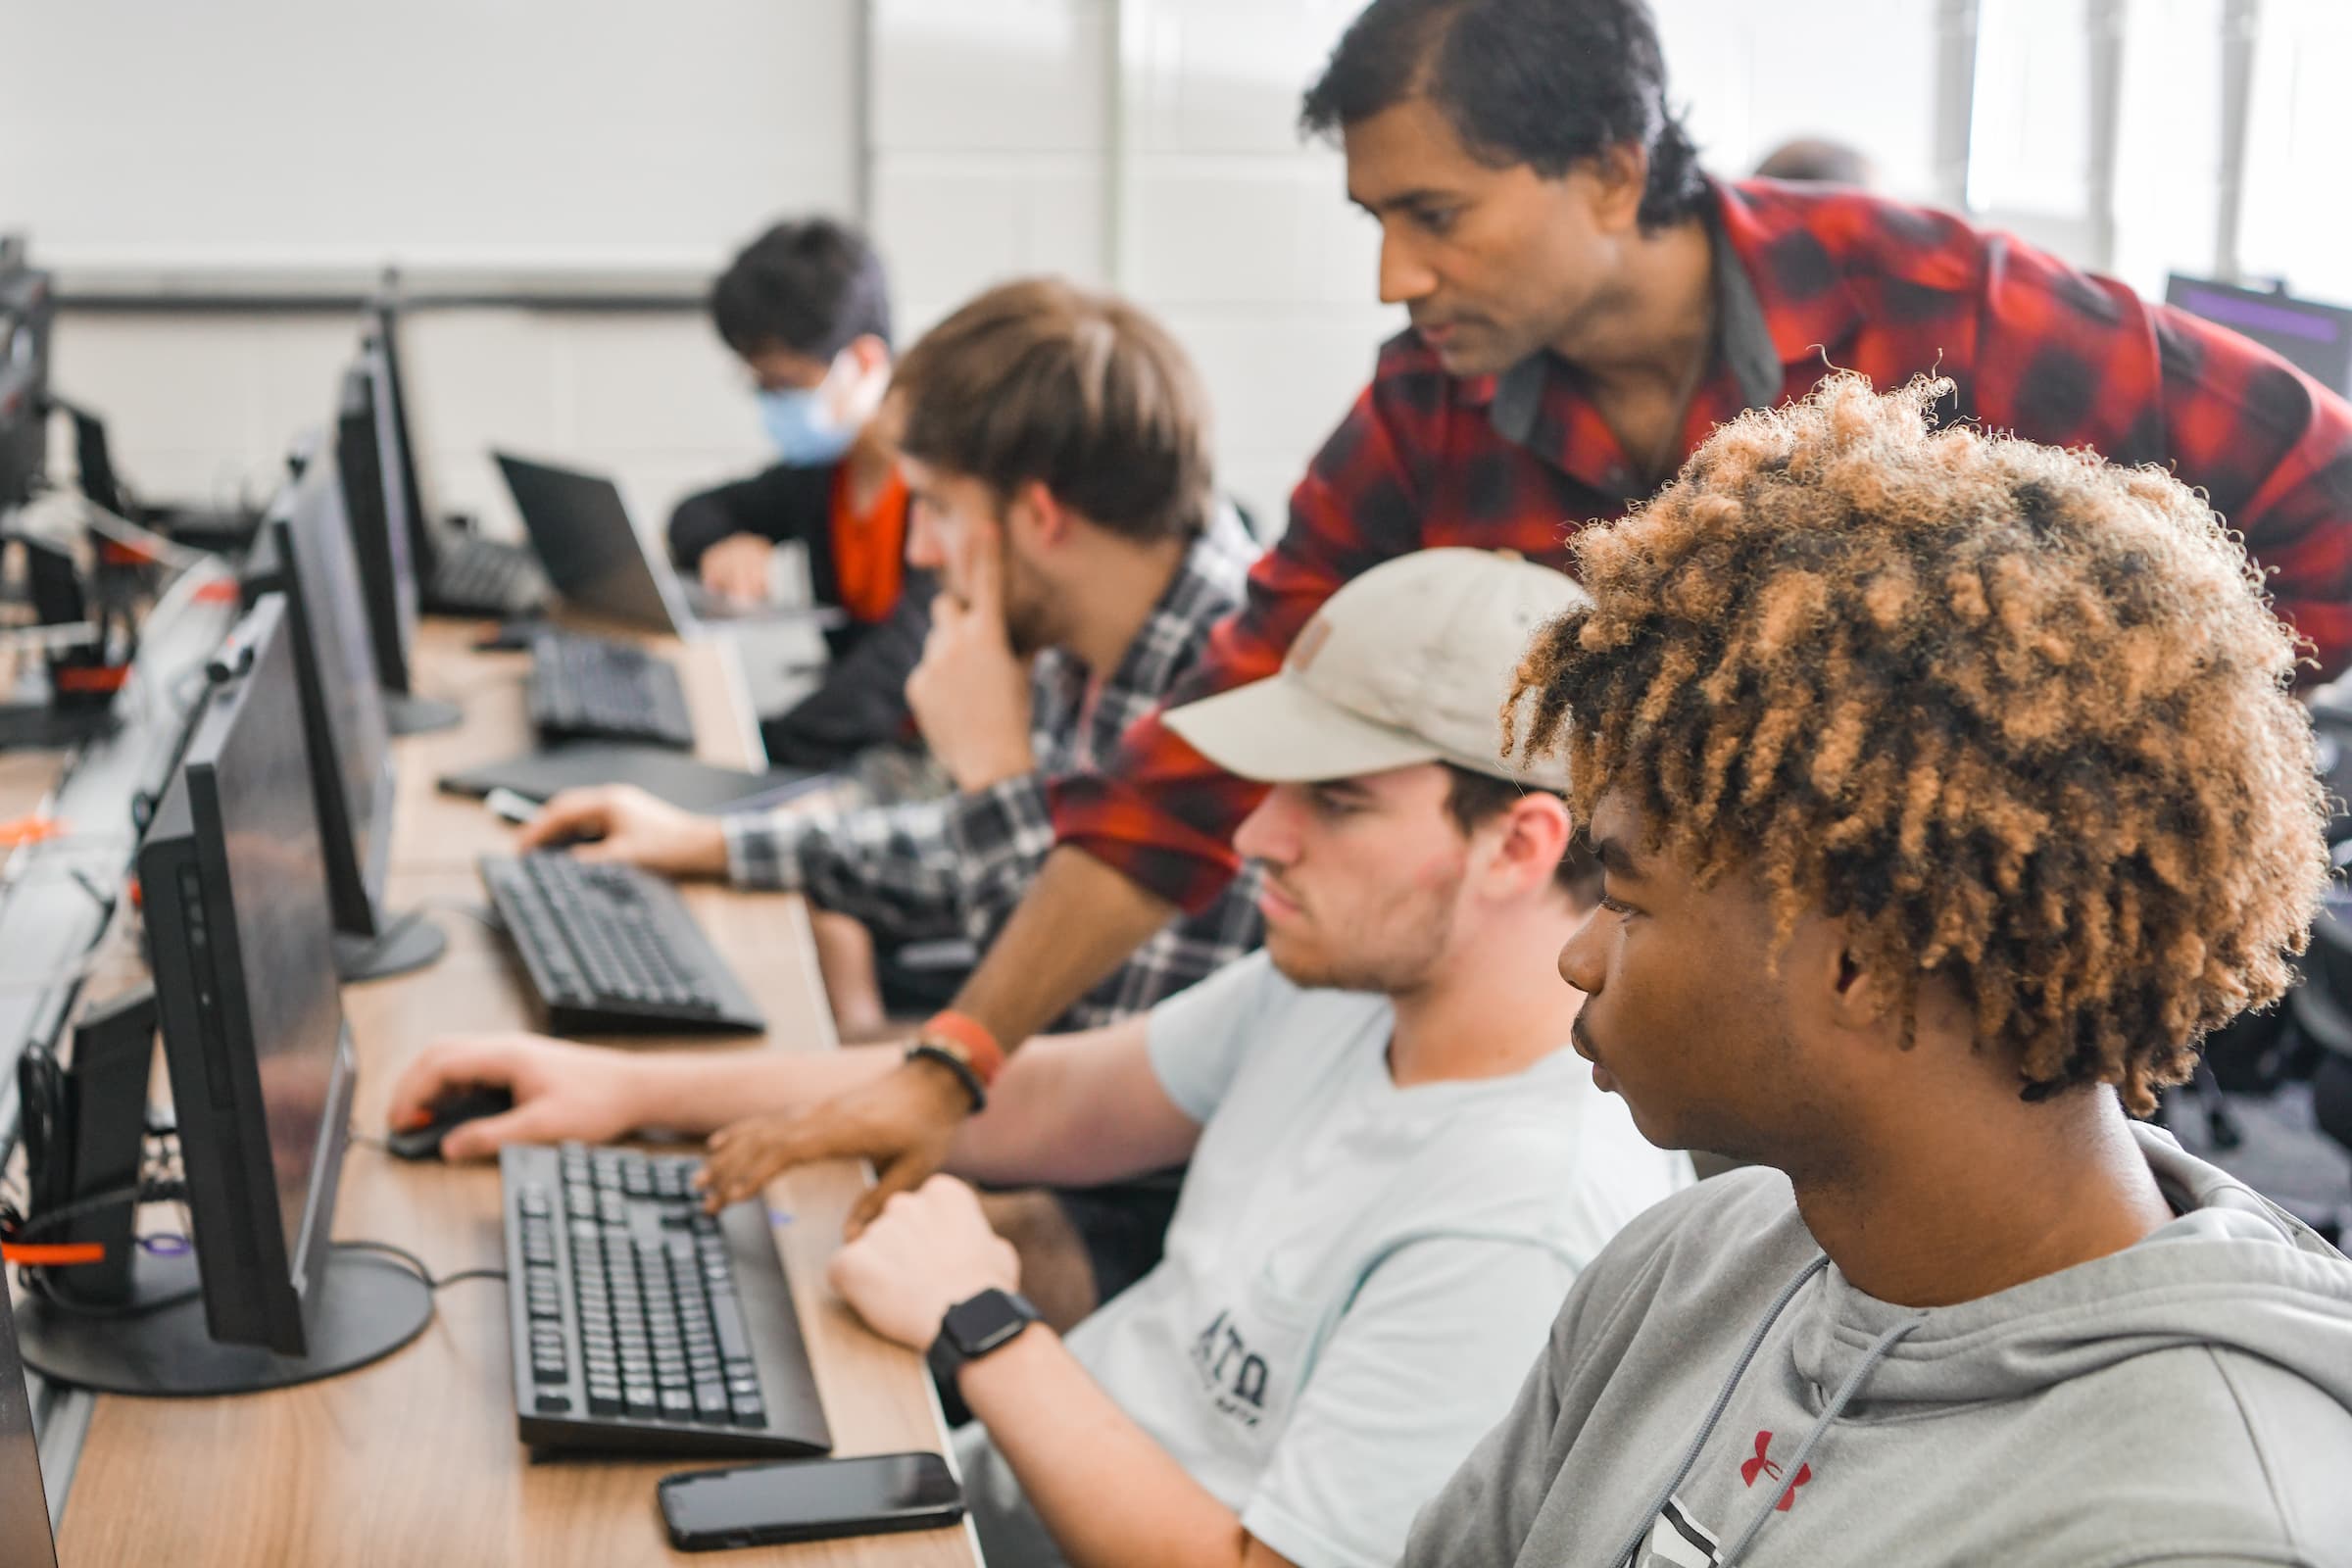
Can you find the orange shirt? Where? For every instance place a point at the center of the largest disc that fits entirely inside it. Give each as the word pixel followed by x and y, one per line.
pixel 870 547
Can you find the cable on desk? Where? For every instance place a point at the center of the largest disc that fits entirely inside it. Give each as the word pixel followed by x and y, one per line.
pixel 416 1266
pixel 481 914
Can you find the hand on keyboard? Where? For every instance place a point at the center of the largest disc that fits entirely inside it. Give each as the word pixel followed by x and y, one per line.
pixel 560 1092
pixel 903 1123
pixel 622 822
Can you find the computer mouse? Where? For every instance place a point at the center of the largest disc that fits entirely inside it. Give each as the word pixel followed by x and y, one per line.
pixel 467 1104
pixel 508 636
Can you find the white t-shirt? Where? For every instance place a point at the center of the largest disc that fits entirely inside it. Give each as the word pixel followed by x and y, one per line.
pixel 1358 1277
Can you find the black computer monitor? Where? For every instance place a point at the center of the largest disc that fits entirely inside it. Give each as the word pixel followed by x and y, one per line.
pixel 24 1537
pixel 376 501
pixel 308 557
pixel 377 506
pixel 28 313
pixel 2314 339
pixel 233 875
pixel 383 325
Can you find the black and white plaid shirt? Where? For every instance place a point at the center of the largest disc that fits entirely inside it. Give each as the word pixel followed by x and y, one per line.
pixel 954 866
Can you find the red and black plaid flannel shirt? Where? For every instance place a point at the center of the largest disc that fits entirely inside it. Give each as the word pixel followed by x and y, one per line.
pixel 1815 279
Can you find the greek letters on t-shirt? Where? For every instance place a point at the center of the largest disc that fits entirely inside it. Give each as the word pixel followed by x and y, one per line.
pixel 1233 1374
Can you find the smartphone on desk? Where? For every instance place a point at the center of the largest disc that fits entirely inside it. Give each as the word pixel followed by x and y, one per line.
pixel 809 1500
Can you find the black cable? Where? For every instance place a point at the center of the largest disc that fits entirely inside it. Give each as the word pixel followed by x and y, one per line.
pixel 481 913
pixel 469 1274
pixel 417 1264
pixel 138 1191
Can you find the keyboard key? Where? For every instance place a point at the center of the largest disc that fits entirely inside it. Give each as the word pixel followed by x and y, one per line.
pixel 726 1316
pixel 711 1402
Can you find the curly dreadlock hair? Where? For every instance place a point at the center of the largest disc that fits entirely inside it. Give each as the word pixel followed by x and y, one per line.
pixel 2020 716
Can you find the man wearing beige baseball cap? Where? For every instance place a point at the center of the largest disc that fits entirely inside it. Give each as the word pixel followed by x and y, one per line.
pixel 1411 663
pixel 1396 1167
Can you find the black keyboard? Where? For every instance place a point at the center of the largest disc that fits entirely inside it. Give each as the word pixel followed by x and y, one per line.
pixel 641 1323
pixel 592 688
pixel 475 576
pixel 612 950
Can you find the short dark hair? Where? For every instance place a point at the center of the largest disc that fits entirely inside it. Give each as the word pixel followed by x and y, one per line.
pixel 1078 391
pixel 1473 798
pixel 811 286
pixel 1549 84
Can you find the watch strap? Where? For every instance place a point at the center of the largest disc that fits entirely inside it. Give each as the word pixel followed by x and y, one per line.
pixel 951 1352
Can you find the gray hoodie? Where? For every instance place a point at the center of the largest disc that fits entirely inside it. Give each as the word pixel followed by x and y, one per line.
pixel 1715 1392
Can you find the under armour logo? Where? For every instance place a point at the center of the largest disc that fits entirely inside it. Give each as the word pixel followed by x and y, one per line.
pixel 1750 1469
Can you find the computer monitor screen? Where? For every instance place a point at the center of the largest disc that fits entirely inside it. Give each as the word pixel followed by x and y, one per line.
pixel 376 501
pixel 25 1539
pixel 234 876
pixel 2314 339
pixel 28 311
pixel 415 482
pixel 310 538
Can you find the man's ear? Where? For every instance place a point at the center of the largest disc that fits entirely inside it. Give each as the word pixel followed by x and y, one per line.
pixel 1856 993
pixel 1535 839
pixel 1035 517
pixel 1620 177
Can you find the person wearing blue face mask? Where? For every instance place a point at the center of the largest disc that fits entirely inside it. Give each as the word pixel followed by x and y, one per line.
pixel 812 426
pixel 806 306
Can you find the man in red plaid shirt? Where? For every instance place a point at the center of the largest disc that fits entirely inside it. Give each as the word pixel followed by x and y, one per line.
pixel 1586 307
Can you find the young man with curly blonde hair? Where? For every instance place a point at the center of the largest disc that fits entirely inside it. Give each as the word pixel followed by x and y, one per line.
pixel 1947 791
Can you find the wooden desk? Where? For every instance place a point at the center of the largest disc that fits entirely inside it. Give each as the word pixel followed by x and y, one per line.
pixel 413 1462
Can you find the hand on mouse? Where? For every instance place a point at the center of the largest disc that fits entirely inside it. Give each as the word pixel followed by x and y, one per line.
pixel 622 822
pixel 560 1091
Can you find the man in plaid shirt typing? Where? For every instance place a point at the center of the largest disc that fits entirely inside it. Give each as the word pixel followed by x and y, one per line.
pixel 1586 306
pixel 1056 451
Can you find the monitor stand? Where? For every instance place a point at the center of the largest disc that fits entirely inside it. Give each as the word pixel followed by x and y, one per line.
pixel 407 714
pixel 157 1342
pixel 402 942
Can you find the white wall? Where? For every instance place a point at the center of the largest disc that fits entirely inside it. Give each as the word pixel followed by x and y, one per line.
pixel 536 134
pixel 540 144
pixel 1752 76
pixel 1147 145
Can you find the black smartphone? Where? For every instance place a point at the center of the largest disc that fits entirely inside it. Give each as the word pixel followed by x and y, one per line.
pixel 809 1500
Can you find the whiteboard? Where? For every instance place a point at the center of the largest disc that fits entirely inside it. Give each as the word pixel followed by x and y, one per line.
pixel 518 136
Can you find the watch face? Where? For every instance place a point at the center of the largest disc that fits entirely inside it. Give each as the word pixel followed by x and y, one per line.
pixel 985 1321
